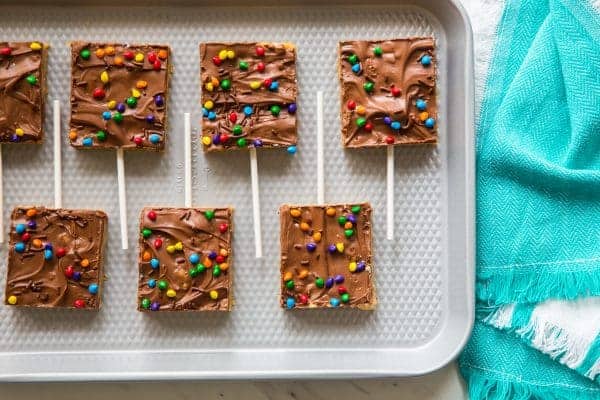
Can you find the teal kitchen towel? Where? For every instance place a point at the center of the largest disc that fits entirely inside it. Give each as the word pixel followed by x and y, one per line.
pixel 538 207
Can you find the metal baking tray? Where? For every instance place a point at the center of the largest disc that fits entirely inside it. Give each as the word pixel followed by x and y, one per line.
pixel 424 277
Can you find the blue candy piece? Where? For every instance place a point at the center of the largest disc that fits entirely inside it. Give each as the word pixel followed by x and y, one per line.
pixel 274 86
pixel 387 120
pixel 20 228
pixel 48 254
pixel 152 283
pixel 204 112
pixel 87 141
pixel 154 263
pixel 311 247
pixel 290 303
pixel 106 115
pixel 248 111
pixel 93 288
pixel 426 60
pixel 212 115
pixel 48 246
pixel 429 123
pixel 396 125
pixel 334 301
pixel 291 149
pixel 356 68
pixel 194 258
pixel 421 104
pixel 154 138
pixel 20 247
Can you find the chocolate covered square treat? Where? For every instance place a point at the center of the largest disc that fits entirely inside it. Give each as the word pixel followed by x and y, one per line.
pixel 119 95
pixel 249 95
pixel 326 258
pixel 388 91
pixel 185 259
pixel 55 258
pixel 23 91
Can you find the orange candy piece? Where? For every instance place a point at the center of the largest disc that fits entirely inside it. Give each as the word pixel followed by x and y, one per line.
pixel 162 54
pixel 118 61
pixel 304 226
pixel 303 274
pixel 72 135
pixel 36 243
pixel 348 225
pixel 109 51
pixel 317 237
pixel 100 53
pixel 287 276
pixel 32 212
pixel 146 256
pixel 223 266
pixel 330 211
pixel 84 263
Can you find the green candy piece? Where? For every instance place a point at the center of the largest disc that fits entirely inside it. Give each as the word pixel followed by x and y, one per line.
pixel 237 130
pixel 101 136
pixel 241 142
pixel 290 284
pixel 360 122
pixel 216 270
pixel 117 117
pixel 368 86
pixel 131 102
pixel 146 303
pixel 163 285
pixel 355 209
pixel 320 282
pixel 146 233
pixel 209 214
pixel 225 84
pixel 193 272
pixel 243 65
pixel 377 51
pixel 200 268
pixel 345 298
pixel 349 232
pixel 352 59
pixel 85 54
pixel 342 220
pixel 31 79
pixel 275 110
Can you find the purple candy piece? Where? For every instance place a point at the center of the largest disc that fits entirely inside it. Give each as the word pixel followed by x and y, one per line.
pixel 14 138
pixel 258 143
pixel 339 279
pixel 47 246
pixel 76 276
pixel 351 218
pixel 332 248
pixel 155 306
pixel 150 119
pixel 311 247
pixel 329 283
pixel 217 139
pixel 32 224
pixel 360 266
pixel 387 120
pixel 292 108
pixel 121 107
pixel 212 255
pixel 159 100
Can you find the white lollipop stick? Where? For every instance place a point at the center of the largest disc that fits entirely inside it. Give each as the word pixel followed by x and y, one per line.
pixel 122 198
pixel 187 140
pixel 57 155
pixel 320 166
pixel 390 192
pixel 255 202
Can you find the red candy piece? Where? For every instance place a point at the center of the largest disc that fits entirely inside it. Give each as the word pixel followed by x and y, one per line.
pixel 220 259
pixel 395 91
pixel 260 51
pixel 128 55
pixel 5 51
pixel 224 138
pixel 260 67
pixel 69 271
pixel 25 237
pixel 157 243
pixel 216 60
pixel 233 117
pixel 390 140
pixel 303 299
pixel 138 140
pixel 79 303
pixel 267 82
pixel 342 289
pixel 152 215
pixel 223 228
pixel 351 105
pixel 60 252
pixel 156 65
pixel 368 127
pixel 151 57
pixel 99 93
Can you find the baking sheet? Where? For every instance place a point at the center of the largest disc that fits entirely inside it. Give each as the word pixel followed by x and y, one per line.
pixel 424 277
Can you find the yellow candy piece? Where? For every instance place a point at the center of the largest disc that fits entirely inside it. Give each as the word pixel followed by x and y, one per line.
pixel 254 85
pixel 178 246
pixel 287 276
pixel 35 46
pixel 209 87
pixel 330 211
pixel 317 237
pixel 208 104
pixel 109 51
pixel 214 81
pixel 111 105
pixel 206 140
pixel 340 247
pixel 223 266
pixel 99 53
pixel 104 77
pixel 136 93
pixel 141 84
pixel 72 135
pixel 214 294
pixel 170 249
pixel 223 252
pixel 352 266
pixel 361 110
pixel 230 54
pixel 85 263
pixel 423 116
pixel 171 293
pixel 294 212
pixel 139 57
pixel 223 54
pixel 12 300
pixel 19 132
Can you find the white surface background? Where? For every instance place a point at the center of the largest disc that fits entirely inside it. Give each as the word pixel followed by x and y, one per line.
pixel 444 384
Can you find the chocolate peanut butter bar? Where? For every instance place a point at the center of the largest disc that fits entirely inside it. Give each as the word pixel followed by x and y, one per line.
pixel 326 257
pixel 388 91
pixel 23 91
pixel 249 95
pixel 185 259
pixel 55 258
pixel 119 96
